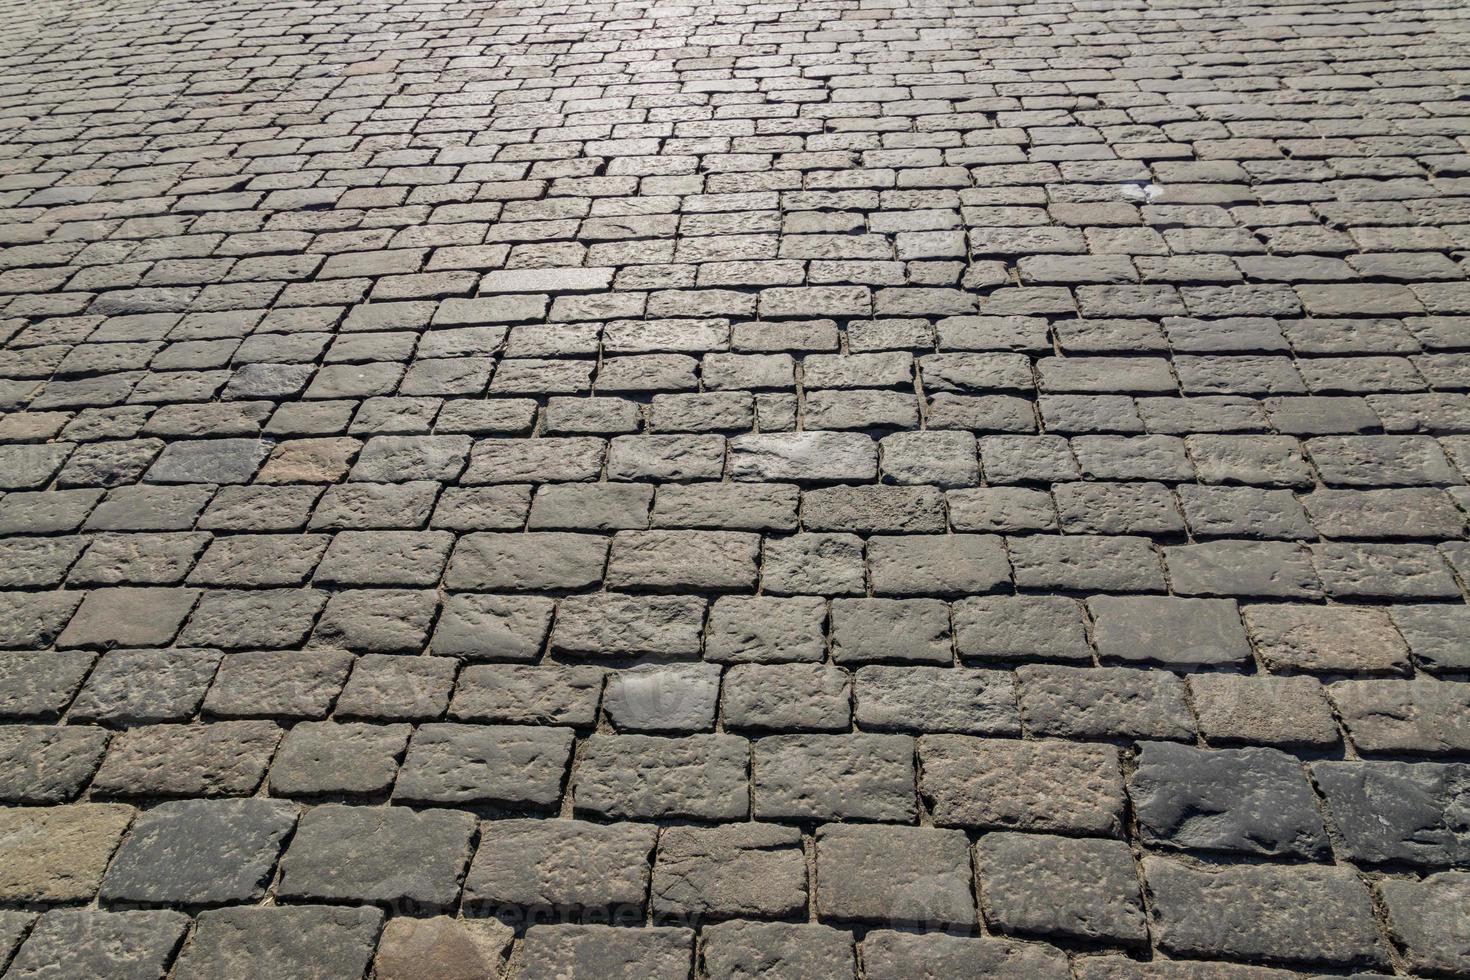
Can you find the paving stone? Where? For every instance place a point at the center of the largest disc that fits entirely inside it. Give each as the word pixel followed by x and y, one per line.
pixel 890 955
pixel 610 624
pixel 1397 811
pixel 200 852
pixel 58 854
pixel 815 457
pixel 894 876
pixel 80 943
pixel 663 698
pixel 48 763
pixel 526 562
pixel 1010 628
pixel 834 777
pixel 1316 638
pixel 680 561
pixel 519 694
pixel 935 699
pixel 328 758
pixel 492 627
pixel 1428 717
pixel 528 867
pixel 1172 632
pixel 409 859
pixel 649 777
pixel 1264 912
pixel 908 630
pixel 1262 710
pixel 39 685
pixel 766 629
pixel 1103 702
pixel 751 870
pixel 376 620
pixel 324 941
pixel 800 951
pixel 575 951
pixel 128 617
pixel 503 765
pixel 1251 800
pixel 1059 886
pixel 225 758
pixel 786 697
pixel 453 949
pixel 1425 920
pixel 1034 785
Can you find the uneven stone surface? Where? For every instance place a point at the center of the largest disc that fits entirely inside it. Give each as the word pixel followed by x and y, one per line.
pixel 830 490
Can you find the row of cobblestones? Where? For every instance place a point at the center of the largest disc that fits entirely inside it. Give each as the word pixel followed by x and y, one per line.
pixel 839 490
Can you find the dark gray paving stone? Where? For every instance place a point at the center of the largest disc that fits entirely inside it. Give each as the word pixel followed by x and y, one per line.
pixel 42 764
pixel 1061 887
pixel 505 765
pixel 200 852
pixel 526 866
pixel 412 860
pixel 1254 801
pixel 96 945
pixel 750 870
pixel 329 942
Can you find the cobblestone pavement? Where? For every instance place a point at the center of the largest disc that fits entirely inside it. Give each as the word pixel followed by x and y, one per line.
pixel 848 488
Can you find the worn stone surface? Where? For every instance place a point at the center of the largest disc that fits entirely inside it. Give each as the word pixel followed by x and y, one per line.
pixel 561 866
pixel 136 945
pixel 639 419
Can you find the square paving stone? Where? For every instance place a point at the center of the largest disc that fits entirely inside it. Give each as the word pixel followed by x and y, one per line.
pixel 503 765
pixel 894 876
pixel 747 870
pixel 200 852
pixel 414 559
pixel 318 941
pixel 1010 628
pixel 85 944
pixel 252 619
pixel 1253 801
pixel 1262 710
pixel 58 854
pixel 134 687
pixel 1061 887
pixel 834 777
pixel 226 758
pixel 786 697
pixel 332 758
pixel 680 561
pixel 377 620
pixel 412 860
pixel 1043 785
pixel 1427 920
pixel 526 867
pixel 538 561
pixel 645 777
pixel 34 619
pixel 572 952
pixel 47 763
